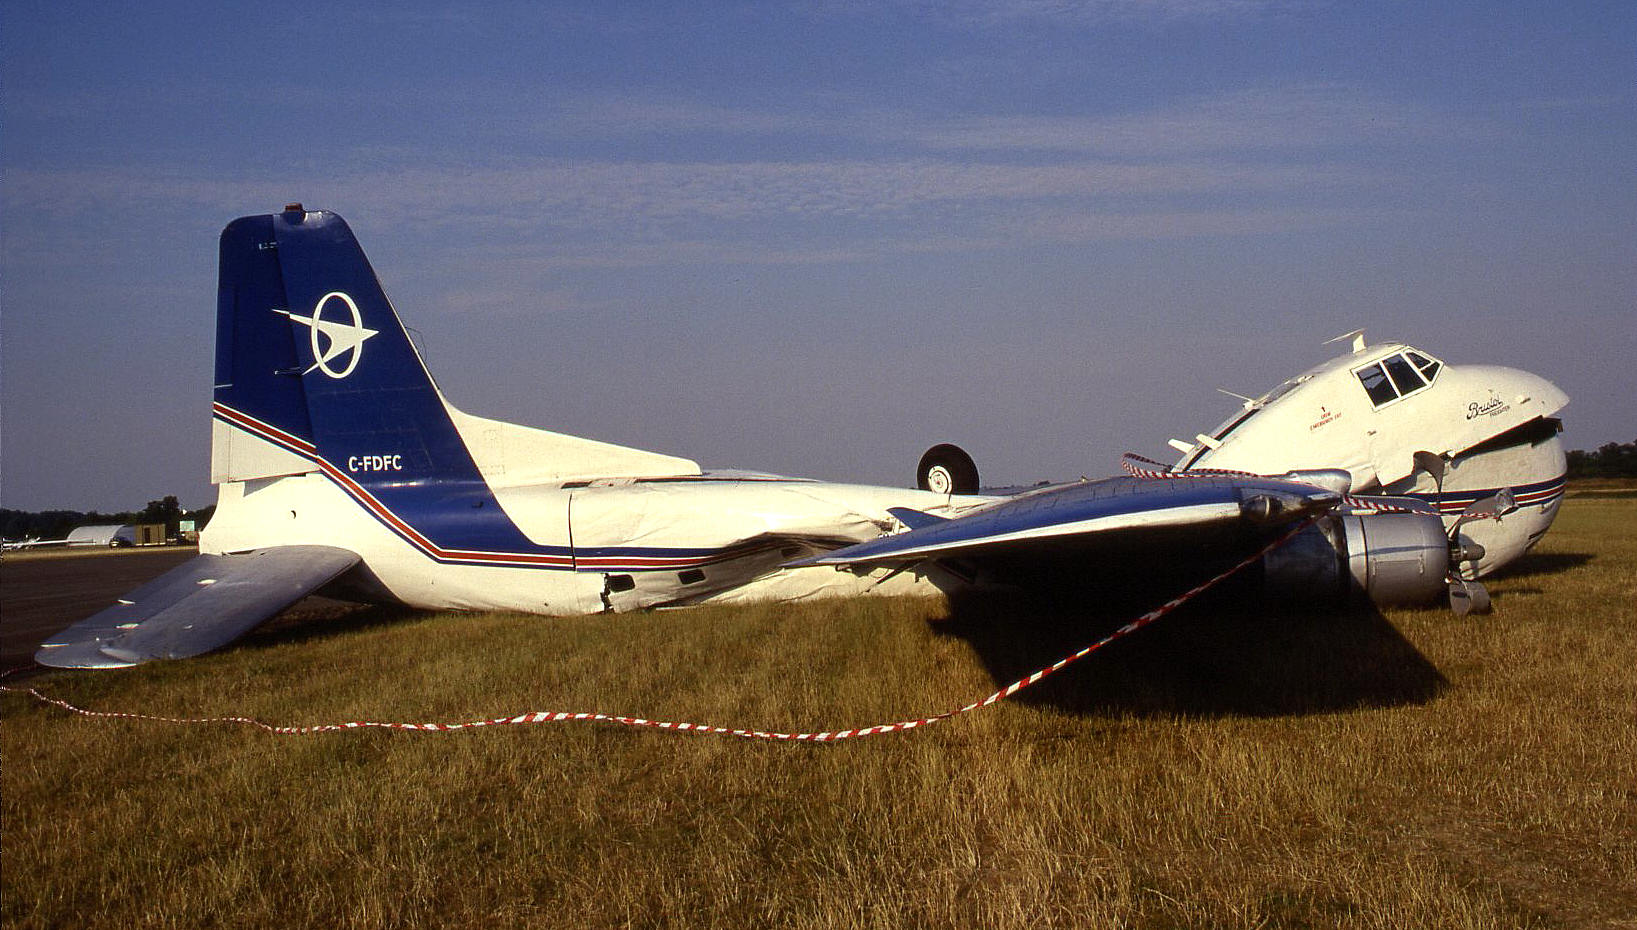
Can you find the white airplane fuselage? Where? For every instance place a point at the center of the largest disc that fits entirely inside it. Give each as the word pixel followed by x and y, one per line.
pixel 1370 412
pixel 624 543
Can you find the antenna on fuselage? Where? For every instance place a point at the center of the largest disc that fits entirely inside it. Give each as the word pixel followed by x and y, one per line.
pixel 1357 336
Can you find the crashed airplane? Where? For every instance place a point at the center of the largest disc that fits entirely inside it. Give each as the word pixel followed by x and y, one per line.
pixel 342 468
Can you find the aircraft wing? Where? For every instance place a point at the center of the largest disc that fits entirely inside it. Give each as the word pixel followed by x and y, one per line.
pixel 202 604
pixel 1202 516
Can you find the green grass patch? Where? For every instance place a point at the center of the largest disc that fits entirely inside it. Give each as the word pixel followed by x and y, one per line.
pixel 1224 768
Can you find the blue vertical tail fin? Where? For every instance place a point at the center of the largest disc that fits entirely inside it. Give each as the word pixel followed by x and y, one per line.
pixel 312 360
pixel 314 372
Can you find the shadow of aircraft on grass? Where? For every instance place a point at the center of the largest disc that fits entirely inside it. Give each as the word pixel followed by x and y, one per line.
pixel 1223 654
pixel 316 618
pixel 1543 563
pixel 1516 578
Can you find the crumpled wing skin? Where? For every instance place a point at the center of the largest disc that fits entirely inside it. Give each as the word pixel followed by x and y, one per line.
pixel 202 604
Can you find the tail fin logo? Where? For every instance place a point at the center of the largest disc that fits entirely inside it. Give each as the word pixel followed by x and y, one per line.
pixel 332 339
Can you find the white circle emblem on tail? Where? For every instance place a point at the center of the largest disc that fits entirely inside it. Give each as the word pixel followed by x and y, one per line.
pixel 338 337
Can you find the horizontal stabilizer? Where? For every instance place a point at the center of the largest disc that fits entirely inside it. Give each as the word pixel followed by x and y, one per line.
pixel 202 604
pixel 915 519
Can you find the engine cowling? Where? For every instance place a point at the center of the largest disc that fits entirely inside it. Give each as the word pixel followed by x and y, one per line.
pixel 1391 558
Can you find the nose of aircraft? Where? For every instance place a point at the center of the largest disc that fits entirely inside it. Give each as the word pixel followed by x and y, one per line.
pixel 1544 392
pixel 1518 388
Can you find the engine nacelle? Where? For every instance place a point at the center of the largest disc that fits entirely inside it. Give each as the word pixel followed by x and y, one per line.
pixel 1391 558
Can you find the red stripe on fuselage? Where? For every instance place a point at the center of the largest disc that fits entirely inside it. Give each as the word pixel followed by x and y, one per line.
pixel 430 548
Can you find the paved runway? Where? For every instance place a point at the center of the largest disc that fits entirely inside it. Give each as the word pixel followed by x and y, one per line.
pixel 40 593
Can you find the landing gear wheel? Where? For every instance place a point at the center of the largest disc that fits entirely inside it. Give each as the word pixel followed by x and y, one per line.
pixel 947 469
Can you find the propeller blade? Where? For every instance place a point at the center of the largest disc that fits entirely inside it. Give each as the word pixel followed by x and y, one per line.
pixel 1468 597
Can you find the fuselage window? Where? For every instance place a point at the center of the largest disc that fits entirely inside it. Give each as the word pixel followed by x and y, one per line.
pixel 1233 424
pixel 1376 385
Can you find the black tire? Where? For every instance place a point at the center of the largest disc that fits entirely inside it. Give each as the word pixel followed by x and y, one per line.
pixel 947 469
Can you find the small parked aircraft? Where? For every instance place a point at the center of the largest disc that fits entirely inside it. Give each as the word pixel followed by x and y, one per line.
pixel 342 468
pixel 32 542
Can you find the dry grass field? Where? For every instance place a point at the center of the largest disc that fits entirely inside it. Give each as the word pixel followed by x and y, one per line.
pixel 1226 767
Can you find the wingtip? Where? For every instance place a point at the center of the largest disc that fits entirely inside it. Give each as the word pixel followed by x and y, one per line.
pixel 79 655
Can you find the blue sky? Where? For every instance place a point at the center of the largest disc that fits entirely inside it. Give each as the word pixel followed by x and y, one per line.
pixel 815 238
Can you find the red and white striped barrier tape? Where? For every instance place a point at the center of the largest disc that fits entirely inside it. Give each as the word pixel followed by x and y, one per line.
pixel 1134 466
pixel 828 736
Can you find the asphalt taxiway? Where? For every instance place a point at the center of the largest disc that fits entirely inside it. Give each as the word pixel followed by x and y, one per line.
pixel 40 593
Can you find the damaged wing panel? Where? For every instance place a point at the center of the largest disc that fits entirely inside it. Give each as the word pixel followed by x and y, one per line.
pixel 1067 517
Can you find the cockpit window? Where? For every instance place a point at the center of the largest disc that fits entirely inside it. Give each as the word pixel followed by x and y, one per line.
pixel 1396 376
pixel 1376 385
pixel 1427 366
pixel 1404 376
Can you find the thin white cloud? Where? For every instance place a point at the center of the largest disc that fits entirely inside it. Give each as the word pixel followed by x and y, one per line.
pixel 599 192
pixel 1577 104
pixel 978 14
pixel 1268 121
pixel 1295 119
pixel 628 195
pixel 1181 224
pixel 1242 163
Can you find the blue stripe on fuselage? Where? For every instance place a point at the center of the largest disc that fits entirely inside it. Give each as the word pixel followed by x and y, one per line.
pixel 1525 495
pixel 460 522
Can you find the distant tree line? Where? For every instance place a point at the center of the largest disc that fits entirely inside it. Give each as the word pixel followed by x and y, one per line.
pixel 56 524
pixel 1611 460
